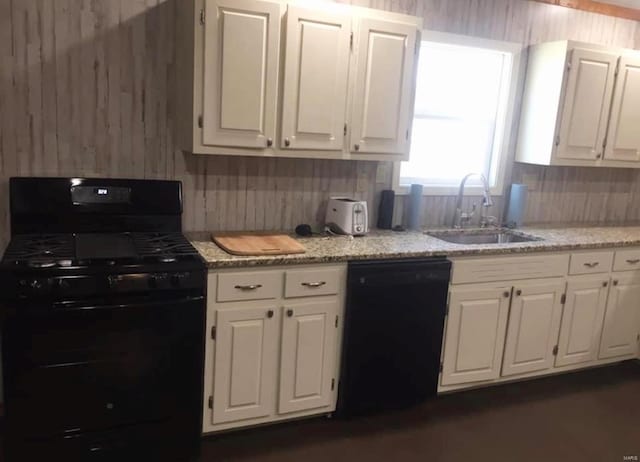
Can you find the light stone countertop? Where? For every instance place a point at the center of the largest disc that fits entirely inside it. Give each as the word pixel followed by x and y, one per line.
pixel 410 244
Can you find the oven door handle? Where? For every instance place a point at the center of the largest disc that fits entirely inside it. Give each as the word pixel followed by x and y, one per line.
pixel 124 303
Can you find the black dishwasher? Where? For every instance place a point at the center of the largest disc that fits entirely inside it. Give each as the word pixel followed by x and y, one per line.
pixel 394 322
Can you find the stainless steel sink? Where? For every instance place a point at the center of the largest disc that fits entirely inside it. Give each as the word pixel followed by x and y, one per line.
pixel 484 236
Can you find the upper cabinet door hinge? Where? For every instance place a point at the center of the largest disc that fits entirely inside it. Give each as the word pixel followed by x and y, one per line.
pixel 213 332
pixel 563 299
pixel 568 65
pixel 351 41
pixel 210 402
pixel 345 129
pixel 555 350
pixel 406 135
pixel 202 16
pixel 557 140
pixel 333 384
pixel 336 323
pixel 200 121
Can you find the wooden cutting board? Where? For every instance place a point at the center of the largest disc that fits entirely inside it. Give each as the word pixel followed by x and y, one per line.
pixel 257 244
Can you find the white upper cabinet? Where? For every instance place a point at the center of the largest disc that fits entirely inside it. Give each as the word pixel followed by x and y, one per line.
pixel 581 106
pixel 241 46
pixel 315 79
pixel 623 139
pixel 289 79
pixel 384 87
pixel 586 104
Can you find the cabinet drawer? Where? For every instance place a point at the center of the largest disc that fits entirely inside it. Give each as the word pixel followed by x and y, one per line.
pixel 259 285
pixel 307 283
pixel 627 260
pixel 590 262
pixel 488 269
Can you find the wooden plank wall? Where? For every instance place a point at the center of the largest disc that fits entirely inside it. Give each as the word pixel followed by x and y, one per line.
pixel 86 90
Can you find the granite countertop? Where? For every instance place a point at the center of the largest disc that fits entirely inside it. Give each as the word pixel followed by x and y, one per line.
pixel 381 244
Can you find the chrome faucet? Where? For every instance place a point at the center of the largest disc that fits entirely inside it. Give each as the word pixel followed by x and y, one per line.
pixel 461 218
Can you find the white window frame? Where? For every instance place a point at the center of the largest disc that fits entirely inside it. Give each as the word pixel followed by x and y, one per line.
pixel 506 117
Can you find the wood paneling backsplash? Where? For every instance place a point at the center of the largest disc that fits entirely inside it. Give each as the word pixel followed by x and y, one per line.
pixel 86 89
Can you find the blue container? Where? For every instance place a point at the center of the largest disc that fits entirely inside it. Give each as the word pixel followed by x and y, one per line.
pixel 414 221
pixel 517 205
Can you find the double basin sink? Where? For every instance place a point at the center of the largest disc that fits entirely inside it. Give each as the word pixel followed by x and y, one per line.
pixel 482 236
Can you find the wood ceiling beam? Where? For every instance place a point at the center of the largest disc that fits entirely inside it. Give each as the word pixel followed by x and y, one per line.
pixel 597 7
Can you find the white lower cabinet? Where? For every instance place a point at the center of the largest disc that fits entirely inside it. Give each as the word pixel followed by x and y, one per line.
pixel 308 355
pixel 245 363
pixel 622 319
pixel 515 317
pixel 476 328
pixel 534 321
pixel 273 353
pixel 582 320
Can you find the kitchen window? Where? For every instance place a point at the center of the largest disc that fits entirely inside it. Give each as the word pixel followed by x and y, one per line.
pixel 463 113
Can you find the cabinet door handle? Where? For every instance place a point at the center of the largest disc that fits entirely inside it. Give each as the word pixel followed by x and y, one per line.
pixel 615 282
pixel 505 294
pixel 633 261
pixel 592 264
pixel 287 142
pixel 356 147
pixel 313 284
pixel 518 292
pixel 605 284
pixel 289 313
pixel 270 314
pixel 269 142
pixel 249 287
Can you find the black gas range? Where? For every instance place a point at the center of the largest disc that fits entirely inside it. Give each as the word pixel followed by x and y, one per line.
pixel 102 304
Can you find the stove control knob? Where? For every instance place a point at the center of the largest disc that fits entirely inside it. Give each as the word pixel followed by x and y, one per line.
pixel 112 281
pixel 176 279
pixel 36 285
pixel 156 279
pixel 62 284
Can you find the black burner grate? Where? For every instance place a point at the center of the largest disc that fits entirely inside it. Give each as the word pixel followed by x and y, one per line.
pixel 163 247
pixel 40 250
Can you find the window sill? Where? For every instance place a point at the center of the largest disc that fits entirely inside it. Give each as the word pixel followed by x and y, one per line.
pixel 404 190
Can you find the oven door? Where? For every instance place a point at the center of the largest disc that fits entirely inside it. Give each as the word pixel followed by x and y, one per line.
pixel 96 366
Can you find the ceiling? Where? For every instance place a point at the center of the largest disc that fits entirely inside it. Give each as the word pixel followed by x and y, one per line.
pixel 626 3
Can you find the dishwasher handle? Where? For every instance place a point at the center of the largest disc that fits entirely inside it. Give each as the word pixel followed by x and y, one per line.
pixel 399 278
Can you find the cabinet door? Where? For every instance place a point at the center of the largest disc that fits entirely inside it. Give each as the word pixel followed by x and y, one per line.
pixel 308 355
pixel 384 87
pixel 242 41
pixel 315 79
pixel 587 101
pixel 246 350
pixel 582 320
pixel 622 319
pixel 623 139
pixel 534 322
pixel 474 338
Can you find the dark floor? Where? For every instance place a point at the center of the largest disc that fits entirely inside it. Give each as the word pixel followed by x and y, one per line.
pixel 586 416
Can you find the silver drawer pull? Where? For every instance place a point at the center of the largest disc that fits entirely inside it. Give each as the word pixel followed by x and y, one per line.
pixel 634 261
pixel 249 287
pixel 313 284
pixel 592 264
